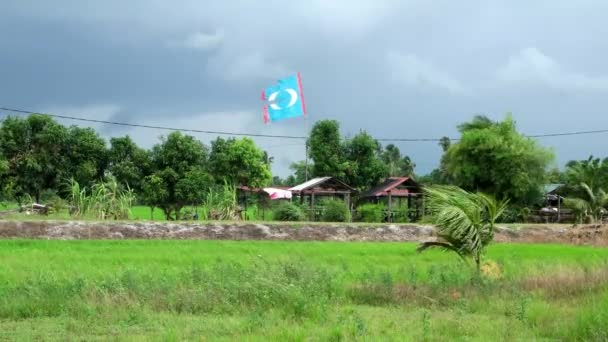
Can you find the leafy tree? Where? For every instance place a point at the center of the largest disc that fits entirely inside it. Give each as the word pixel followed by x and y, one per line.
pixel 494 158
pixel 326 150
pixel 6 183
pixel 155 193
pixel 396 164
pixel 465 221
pixel 365 169
pixel 178 179
pixel 276 180
pixel 299 173
pixel 240 162
pixel 445 143
pixel 86 156
pixel 128 162
pixel 34 149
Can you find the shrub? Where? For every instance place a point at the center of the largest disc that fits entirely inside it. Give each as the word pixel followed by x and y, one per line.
pixel 402 214
pixel 288 211
pixel 335 210
pixel 371 212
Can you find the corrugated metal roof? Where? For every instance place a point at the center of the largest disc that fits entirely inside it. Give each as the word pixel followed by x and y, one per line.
pixel 311 183
pixel 389 184
pixel 551 187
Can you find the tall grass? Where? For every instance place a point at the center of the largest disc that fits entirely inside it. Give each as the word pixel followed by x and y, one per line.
pixel 104 200
pixel 220 203
pixel 221 290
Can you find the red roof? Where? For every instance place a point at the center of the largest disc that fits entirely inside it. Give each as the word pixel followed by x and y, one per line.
pixel 390 185
pixel 246 188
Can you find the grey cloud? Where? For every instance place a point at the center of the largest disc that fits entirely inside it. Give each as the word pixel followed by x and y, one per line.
pixel 394 68
pixel 415 72
pixel 530 66
pixel 200 41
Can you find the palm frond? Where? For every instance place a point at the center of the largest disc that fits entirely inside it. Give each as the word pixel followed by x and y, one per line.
pixel 445 246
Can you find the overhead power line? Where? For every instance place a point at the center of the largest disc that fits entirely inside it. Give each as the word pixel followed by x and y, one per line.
pixel 59 116
pixel 20 111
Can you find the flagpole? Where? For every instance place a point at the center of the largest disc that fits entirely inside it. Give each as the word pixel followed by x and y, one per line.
pixel 306 144
pixel 307 125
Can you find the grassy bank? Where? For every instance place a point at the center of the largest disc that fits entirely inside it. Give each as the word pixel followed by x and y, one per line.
pixel 222 290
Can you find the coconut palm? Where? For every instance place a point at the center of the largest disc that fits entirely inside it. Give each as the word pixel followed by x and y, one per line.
pixel 465 221
pixel 591 206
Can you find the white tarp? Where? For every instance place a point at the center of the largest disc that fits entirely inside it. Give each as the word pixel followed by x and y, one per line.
pixel 277 193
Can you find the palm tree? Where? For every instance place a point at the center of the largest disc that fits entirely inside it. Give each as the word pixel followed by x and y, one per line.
pixel 587 177
pixel 465 221
pixel 592 207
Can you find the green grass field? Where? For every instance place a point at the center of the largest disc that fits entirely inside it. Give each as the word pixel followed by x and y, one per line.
pixel 294 291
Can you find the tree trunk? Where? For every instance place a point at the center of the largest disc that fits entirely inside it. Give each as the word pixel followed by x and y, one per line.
pixel 167 212
pixel 478 264
pixel 178 214
pixel 151 213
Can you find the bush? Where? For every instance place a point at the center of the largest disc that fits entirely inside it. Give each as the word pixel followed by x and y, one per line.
pixel 335 211
pixel 515 214
pixel 371 212
pixel 402 214
pixel 288 211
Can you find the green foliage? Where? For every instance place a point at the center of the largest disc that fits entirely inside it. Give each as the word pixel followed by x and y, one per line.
pixel 220 203
pixel 299 173
pixel 102 201
pixel 240 162
pixel 397 166
pixel 515 214
pixel 86 155
pixel 128 163
pixel 493 157
pixel 371 212
pixel 288 211
pixel 35 150
pixel 593 172
pixel 465 221
pixel 591 207
pixel 326 150
pixel 179 178
pixel 402 214
pixel 335 210
pixel 252 290
pixel 366 168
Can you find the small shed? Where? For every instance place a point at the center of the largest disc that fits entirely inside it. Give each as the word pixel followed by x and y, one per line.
pixel 323 186
pixel 553 201
pixel 392 188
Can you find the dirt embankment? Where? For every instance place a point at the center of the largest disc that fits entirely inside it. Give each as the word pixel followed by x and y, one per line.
pixel 67 230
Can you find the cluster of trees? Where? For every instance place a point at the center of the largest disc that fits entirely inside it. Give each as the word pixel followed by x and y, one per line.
pixel 39 155
pixel 360 161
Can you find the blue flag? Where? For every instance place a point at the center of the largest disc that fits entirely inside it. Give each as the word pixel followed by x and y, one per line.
pixel 285 99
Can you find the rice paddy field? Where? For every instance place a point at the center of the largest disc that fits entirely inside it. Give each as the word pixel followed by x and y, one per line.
pixel 167 290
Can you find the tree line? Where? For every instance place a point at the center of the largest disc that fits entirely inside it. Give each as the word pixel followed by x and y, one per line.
pixel 38 155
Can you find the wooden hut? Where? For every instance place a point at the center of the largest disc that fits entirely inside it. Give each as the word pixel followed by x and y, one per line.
pixel 396 189
pixel 323 187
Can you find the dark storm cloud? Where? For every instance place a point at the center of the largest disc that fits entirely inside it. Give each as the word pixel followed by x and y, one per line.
pixel 394 68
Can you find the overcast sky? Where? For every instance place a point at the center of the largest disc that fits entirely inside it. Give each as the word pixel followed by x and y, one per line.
pixel 397 69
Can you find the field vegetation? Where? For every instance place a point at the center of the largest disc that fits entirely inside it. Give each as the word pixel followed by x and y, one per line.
pixel 222 290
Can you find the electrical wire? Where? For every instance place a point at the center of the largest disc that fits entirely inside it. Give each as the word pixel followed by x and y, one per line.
pixel 59 116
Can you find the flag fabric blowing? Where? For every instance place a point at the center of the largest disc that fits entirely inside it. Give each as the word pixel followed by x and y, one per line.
pixel 285 99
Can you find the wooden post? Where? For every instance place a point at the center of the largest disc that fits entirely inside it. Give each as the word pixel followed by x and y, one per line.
pixel 559 207
pixel 347 201
pixel 312 206
pixel 390 207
